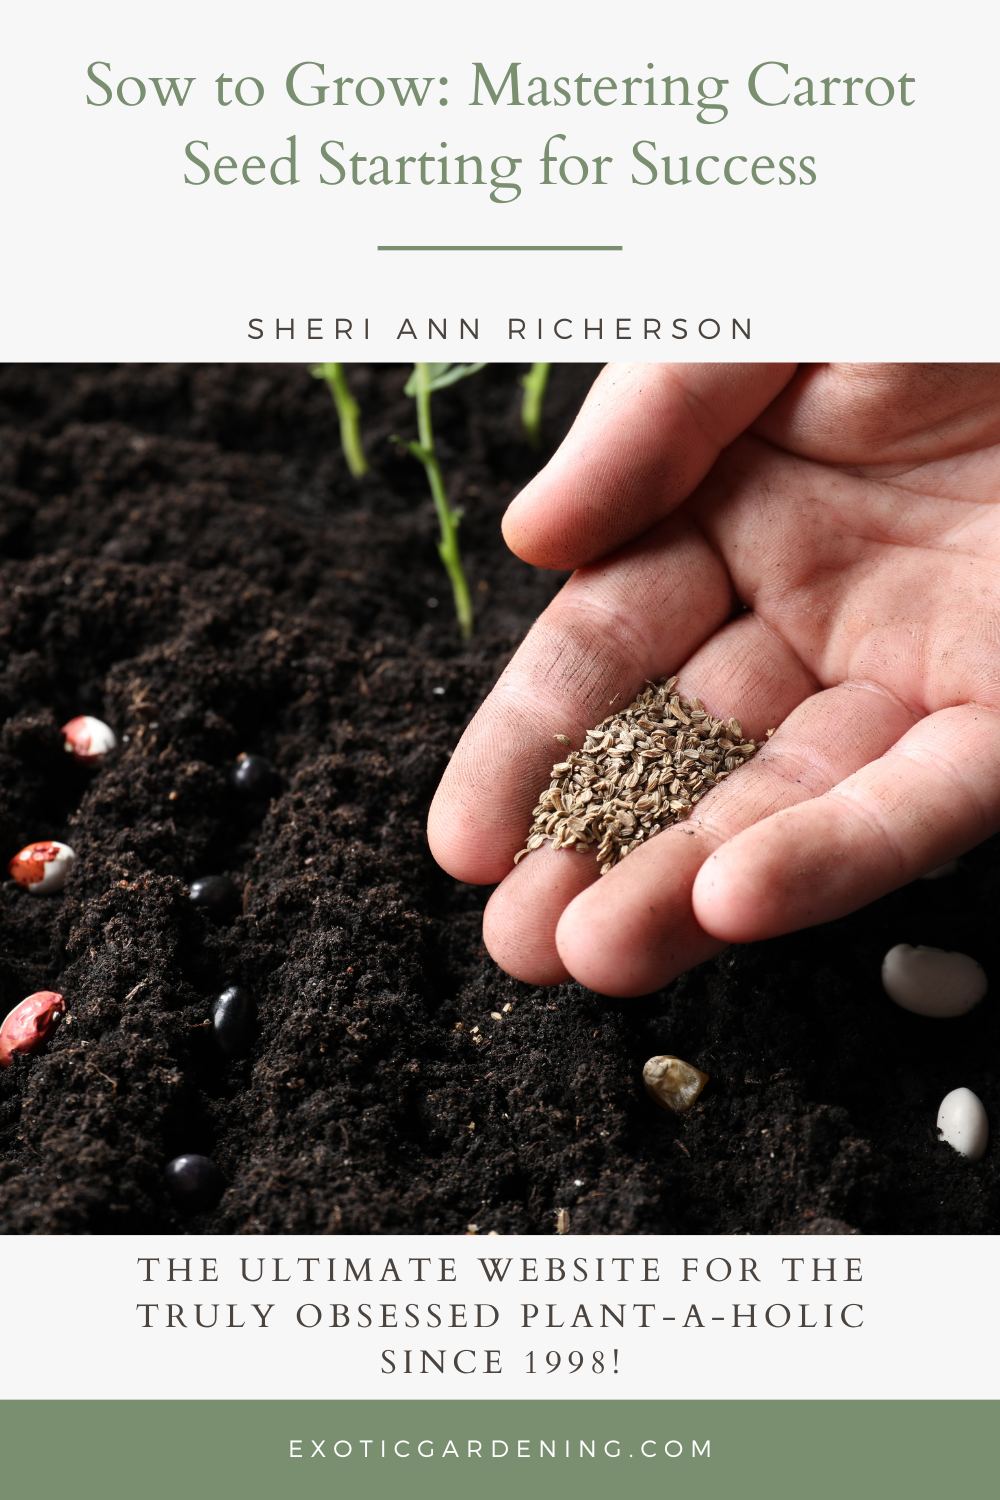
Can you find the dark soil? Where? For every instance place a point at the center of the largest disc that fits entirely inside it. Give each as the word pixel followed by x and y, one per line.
pixel 185 556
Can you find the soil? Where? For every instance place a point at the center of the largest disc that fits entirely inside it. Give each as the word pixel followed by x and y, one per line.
pixel 185 556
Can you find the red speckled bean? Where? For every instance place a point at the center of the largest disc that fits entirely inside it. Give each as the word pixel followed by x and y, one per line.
pixel 89 740
pixel 42 868
pixel 29 1025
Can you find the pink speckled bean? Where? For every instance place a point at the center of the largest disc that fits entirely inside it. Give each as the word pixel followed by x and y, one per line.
pixel 29 1025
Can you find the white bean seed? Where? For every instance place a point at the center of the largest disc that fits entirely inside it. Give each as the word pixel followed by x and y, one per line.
pixel 940 871
pixel 963 1124
pixel 931 982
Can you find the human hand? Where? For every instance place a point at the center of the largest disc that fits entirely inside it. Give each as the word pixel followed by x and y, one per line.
pixel 835 572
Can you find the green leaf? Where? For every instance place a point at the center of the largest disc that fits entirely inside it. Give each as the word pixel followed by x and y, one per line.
pixel 453 373
pixel 441 376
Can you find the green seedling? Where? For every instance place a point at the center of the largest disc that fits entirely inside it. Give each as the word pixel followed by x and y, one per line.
pixel 349 413
pixel 426 379
pixel 534 384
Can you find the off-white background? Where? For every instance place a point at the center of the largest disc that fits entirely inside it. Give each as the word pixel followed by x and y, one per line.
pixel 930 1310
pixel 107 254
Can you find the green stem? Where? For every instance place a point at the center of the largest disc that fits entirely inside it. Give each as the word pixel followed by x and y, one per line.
pixel 349 413
pixel 448 518
pixel 534 384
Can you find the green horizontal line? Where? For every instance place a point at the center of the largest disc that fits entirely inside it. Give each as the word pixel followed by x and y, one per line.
pixel 499 247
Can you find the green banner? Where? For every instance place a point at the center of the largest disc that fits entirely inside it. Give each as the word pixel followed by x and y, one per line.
pixel 263 1450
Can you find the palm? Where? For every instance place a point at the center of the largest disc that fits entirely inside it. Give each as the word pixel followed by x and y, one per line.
pixel 864 549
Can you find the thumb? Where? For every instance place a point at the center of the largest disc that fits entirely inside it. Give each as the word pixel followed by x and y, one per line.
pixel 645 436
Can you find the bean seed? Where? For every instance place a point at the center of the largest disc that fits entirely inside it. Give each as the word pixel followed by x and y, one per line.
pixel 930 982
pixel 89 740
pixel 195 1182
pixel 232 1020
pixel 29 1025
pixel 42 868
pixel 940 872
pixel 673 1084
pixel 963 1124
pixel 252 775
pixel 215 894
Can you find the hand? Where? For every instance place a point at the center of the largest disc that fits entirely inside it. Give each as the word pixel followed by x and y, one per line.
pixel 834 572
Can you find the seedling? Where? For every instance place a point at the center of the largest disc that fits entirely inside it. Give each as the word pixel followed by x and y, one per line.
pixel 426 379
pixel 349 413
pixel 534 384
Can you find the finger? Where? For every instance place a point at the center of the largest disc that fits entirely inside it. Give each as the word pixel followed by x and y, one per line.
pixel 519 923
pixel 927 799
pixel 636 615
pixel 751 671
pixel 637 929
pixel 645 436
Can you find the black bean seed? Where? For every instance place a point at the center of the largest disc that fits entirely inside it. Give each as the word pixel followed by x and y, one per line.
pixel 215 894
pixel 232 1020
pixel 252 775
pixel 195 1181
